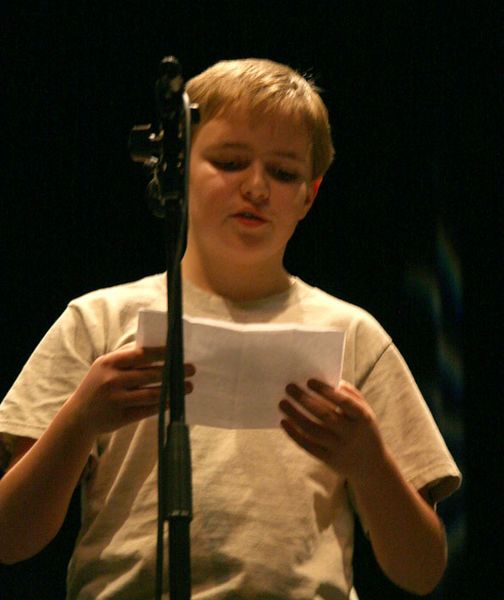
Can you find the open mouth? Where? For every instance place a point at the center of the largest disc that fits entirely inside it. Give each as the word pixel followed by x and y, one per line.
pixel 248 216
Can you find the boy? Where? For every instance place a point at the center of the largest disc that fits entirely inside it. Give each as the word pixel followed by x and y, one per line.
pixel 273 512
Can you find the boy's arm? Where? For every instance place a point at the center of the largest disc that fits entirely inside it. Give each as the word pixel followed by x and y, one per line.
pixel 407 536
pixel 35 492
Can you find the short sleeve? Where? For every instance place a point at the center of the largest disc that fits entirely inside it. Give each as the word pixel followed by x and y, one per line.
pixel 50 376
pixel 6 450
pixel 408 427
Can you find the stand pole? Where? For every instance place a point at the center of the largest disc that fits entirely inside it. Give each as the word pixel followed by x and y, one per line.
pixel 166 155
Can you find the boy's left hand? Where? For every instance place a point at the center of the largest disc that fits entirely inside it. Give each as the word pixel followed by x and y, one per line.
pixel 336 425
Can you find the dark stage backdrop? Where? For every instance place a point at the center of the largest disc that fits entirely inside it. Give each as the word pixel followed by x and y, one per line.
pixel 407 224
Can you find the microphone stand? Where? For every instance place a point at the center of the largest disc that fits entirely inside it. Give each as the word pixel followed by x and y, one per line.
pixel 166 155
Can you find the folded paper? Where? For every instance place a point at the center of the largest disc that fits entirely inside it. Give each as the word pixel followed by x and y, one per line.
pixel 242 369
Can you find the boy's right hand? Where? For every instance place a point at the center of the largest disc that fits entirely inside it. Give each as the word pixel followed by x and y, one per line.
pixel 121 387
pixel 36 491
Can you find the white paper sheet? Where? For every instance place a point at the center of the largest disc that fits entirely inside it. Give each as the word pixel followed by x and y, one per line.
pixel 242 369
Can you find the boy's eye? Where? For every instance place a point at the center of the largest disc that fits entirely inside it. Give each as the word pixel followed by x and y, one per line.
pixel 236 164
pixel 228 165
pixel 284 175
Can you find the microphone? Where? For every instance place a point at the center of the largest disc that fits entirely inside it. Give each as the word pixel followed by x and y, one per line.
pixel 163 152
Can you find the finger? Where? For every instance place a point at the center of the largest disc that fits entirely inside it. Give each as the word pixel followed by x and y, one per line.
pixel 156 384
pixel 189 369
pixel 134 378
pixel 316 430
pixel 308 444
pixel 137 357
pixel 150 376
pixel 351 390
pixel 349 406
pixel 148 396
pixel 319 407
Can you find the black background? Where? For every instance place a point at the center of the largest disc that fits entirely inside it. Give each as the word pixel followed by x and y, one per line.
pixel 413 93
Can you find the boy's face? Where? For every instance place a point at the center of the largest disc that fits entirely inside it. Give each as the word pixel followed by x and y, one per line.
pixel 250 184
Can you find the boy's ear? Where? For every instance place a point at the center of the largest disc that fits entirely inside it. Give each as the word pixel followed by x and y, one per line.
pixel 315 184
pixel 313 189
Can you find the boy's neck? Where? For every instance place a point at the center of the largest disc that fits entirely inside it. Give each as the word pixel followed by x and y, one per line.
pixel 237 283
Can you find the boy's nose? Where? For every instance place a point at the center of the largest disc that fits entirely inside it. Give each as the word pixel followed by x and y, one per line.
pixel 255 185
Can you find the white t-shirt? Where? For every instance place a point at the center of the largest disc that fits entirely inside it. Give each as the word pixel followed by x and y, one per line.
pixel 270 521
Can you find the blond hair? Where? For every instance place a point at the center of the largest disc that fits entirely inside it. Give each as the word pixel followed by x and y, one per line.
pixel 265 87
